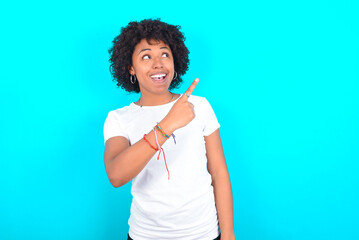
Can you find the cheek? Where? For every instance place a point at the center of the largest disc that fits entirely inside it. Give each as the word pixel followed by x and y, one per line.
pixel 140 69
pixel 170 64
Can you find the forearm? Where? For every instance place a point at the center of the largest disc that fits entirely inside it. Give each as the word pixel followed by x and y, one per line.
pixel 130 162
pixel 224 203
pixel 124 162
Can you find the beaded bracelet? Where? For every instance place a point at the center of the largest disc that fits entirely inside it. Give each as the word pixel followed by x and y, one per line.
pixel 158 127
pixel 144 137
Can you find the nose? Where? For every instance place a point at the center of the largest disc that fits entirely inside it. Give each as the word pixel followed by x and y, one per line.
pixel 157 62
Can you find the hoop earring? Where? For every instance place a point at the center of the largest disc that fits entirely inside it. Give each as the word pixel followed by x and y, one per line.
pixel 175 76
pixel 133 79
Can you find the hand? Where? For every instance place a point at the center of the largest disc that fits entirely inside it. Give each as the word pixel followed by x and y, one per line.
pixel 181 113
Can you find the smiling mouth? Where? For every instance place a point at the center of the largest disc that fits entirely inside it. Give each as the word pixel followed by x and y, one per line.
pixel 159 77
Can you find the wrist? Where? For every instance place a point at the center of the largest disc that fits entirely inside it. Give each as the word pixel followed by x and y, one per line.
pixel 227 235
pixel 166 127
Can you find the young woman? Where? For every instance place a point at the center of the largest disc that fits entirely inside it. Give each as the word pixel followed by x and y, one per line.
pixel 168 144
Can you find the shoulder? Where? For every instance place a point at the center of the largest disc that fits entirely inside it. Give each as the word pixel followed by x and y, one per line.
pixel 201 105
pixel 196 99
pixel 199 101
pixel 120 112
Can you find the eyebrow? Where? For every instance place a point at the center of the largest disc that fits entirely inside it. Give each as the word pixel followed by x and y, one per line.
pixel 148 49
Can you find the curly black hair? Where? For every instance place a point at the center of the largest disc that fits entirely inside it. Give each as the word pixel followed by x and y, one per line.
pixel 149 29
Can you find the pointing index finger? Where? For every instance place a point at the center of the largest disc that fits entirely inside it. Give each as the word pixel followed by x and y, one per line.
pixel 191 88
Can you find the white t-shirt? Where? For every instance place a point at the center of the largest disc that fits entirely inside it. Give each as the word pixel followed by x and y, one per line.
pixel 183 206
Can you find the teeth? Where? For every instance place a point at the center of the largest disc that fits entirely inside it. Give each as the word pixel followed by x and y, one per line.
pixel 158 76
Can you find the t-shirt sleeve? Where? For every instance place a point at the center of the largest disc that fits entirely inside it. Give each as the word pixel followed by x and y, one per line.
pixel 112 127
pixel 210 119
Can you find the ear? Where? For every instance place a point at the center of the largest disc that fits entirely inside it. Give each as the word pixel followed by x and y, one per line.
pixel 131 70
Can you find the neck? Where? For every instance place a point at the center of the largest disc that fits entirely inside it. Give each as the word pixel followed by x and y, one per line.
pixel 155 100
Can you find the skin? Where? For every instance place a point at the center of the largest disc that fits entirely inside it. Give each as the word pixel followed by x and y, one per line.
pixel 149 59
pixel 123 162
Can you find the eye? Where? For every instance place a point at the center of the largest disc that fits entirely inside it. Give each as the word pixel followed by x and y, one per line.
pixel 165 55
pixel 146 57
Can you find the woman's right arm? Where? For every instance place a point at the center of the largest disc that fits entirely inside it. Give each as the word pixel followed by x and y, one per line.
pixel 123 162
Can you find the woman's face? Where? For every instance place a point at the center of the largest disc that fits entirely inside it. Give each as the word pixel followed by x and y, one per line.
pixel 153 66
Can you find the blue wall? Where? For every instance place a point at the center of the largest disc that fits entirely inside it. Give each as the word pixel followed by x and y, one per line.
pixel 283 79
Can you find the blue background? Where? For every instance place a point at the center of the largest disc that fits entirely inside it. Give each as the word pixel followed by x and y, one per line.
pixel 282 77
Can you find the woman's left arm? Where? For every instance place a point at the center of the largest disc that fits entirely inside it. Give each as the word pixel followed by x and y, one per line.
pixel 217 167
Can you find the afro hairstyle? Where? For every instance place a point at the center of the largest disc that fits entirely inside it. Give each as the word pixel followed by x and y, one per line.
pixel 149 29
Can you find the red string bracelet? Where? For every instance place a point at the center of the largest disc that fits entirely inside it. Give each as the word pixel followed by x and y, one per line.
pixel 159 153
pixel 164 157
pixel 144 137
